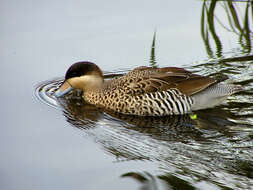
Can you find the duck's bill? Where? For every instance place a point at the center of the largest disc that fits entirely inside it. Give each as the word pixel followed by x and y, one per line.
pixel 64 89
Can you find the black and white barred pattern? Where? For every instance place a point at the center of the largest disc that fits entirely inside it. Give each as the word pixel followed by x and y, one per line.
pixel 168 102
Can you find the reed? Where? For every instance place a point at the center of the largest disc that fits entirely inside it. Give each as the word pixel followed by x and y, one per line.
pixel 239 24
pixel 152 60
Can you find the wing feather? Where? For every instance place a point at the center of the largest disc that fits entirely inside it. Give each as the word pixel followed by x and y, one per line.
pixel 143 80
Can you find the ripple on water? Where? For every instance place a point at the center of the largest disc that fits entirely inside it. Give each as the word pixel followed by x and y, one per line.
pixel 216 147
pixel 45 90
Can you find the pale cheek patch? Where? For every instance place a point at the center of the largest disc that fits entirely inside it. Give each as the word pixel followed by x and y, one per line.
pixel 76 82
pixel 86 82
pixel 91 81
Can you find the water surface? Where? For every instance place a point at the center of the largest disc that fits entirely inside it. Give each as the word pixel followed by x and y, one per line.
pixel 79 146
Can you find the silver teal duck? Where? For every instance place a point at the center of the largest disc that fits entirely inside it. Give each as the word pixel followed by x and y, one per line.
pixel 146 91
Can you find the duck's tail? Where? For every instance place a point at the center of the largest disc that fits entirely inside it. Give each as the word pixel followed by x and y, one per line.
pixel 214 95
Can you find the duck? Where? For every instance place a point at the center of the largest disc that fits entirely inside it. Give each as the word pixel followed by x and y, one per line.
pixel 146 91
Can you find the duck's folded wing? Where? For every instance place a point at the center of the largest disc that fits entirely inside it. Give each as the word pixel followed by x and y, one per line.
pixel 168 78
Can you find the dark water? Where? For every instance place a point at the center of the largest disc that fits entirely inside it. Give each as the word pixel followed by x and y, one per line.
pixel 67 144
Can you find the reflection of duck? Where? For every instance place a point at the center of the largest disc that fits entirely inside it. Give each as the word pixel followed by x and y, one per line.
pixel 168 128
pixel 146 91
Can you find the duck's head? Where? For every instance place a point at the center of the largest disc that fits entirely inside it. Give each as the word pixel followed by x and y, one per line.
pixel 84 76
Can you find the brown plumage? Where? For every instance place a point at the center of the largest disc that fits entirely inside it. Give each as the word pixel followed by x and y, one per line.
pixel 146 90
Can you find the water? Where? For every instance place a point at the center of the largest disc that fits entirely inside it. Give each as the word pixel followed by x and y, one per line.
pixel 79 146
pixel 216 148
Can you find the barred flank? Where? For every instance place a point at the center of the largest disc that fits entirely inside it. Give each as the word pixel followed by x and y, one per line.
pixel 167 103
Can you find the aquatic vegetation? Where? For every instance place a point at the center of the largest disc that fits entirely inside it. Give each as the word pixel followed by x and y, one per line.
pixel 236 23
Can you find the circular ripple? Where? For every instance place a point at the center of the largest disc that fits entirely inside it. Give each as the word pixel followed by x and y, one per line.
pixel 45 90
